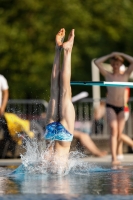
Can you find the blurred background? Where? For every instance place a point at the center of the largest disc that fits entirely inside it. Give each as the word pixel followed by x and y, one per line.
pixel 27 43
pixel 27 40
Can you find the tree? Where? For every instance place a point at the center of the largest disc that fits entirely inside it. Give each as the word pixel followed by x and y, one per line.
pixel 27 34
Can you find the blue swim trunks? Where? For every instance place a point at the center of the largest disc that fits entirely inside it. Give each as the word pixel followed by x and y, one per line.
pixel 56 131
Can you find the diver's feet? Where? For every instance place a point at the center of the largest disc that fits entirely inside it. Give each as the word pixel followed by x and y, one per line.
pixel 69 44
pixel 60 38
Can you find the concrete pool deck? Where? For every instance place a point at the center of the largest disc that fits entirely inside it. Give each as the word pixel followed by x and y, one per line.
pixel 128 159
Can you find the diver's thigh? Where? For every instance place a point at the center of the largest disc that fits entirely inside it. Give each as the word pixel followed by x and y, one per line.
pixel 67 115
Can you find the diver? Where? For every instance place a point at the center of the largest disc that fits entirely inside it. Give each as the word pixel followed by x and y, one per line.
pixel 60 113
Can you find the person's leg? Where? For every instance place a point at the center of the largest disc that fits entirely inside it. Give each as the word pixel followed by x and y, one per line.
pixel 121 124
pixel 120 150
pixel 88 143
pixel 124 138
pixel 67 112
pixel 127 140
pixel 7 139
pixel 53 106
pixel 113 125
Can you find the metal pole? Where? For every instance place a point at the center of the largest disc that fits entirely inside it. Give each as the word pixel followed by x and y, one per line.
pixel 96 93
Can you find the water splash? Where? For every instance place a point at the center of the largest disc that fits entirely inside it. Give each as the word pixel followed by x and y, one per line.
pixel 39 160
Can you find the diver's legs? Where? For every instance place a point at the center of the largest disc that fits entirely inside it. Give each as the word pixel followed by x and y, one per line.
pixel 53 106
pixel 66 109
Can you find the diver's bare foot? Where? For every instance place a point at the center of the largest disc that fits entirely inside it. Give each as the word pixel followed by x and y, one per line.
pixel 60 38
pixel 69 44
pixel 116 162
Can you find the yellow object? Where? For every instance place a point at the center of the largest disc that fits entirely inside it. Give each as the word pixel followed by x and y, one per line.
pixel 16 125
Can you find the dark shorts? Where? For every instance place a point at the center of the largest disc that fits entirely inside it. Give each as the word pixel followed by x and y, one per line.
pixel 115 108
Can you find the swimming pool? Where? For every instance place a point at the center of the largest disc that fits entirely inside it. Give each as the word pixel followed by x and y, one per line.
pixel 96 182
pixel 81 180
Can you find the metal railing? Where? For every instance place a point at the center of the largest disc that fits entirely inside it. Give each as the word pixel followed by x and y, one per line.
pixel 27 109
pixel 31 109
pixel 85 114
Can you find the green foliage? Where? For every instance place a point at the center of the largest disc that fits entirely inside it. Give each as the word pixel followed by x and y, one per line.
pixel 27 34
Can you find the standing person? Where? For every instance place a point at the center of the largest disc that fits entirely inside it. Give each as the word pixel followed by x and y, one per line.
pixel 115 97
pixel 3 94
pixel 60 113
pixel 3 102
pixel 126 113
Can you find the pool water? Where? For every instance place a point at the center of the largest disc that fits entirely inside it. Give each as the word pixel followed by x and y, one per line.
pixel 98 181
pixel 81 180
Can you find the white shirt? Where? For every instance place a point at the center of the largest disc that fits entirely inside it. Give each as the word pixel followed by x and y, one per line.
pixel 3 86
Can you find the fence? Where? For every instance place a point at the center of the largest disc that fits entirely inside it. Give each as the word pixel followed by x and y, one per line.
pixel 27 109
pixel 31 109
pixel 85 118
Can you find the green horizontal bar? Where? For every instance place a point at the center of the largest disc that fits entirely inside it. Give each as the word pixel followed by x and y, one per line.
pixel 103 83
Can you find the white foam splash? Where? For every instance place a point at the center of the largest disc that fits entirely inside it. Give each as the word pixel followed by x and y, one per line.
pixel 37 159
